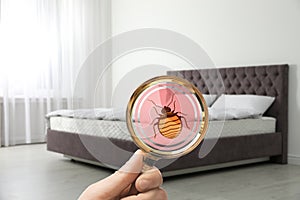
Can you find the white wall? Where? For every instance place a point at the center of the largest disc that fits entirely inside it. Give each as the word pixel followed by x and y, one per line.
pixel 233 33
pixel 135 68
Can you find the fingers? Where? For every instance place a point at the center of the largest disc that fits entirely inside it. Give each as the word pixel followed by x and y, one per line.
pixel 157 194
pixel 134 164
pixel 113 185
pixel 149 180
pixel 127 181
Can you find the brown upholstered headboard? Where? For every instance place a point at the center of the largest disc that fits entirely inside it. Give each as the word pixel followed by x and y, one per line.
pixel 271 80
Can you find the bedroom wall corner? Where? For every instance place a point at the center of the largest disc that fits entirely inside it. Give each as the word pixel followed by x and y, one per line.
pixel 293 115
pixel 234 33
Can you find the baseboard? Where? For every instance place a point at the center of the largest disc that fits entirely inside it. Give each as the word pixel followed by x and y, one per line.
pixel 183 171
pixel 294 159
pixel 215 166
pixel 90 162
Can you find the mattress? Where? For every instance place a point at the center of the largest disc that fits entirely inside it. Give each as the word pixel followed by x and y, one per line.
pixel 118 129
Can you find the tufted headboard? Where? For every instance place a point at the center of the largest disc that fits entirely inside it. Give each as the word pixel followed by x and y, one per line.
pixel 269 80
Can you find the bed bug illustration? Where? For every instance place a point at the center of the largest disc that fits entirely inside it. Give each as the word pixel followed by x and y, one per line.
pixel 168 122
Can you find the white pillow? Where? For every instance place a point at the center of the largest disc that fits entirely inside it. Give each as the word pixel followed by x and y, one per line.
pixel 231 113
pixel 209 99
pixel 114 114
pixel 240 106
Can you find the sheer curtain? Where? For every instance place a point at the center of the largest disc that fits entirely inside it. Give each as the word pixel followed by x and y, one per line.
pixel 42 46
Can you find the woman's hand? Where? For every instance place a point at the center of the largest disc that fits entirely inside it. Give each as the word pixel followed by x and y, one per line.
pixel 128 183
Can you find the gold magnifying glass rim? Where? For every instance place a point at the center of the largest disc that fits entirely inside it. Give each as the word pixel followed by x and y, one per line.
pixel 159 79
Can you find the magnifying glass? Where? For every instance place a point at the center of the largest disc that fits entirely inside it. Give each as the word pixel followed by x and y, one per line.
pixel 167 117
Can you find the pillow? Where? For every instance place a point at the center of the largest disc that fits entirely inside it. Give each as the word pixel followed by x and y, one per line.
pixel 231 113
pixel 115 114
pixel 240 106
pixel 209 99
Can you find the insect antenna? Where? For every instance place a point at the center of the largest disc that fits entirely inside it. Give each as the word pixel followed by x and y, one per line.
pixel 174 106
pixel 171 100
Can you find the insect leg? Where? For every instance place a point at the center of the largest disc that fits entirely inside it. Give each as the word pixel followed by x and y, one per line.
pixel 181 113
pixel 154 120
pixel 156 124
pixel 181 117
pixel 154 103
pixel 156 111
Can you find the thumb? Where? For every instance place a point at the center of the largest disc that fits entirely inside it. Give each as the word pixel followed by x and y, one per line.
pixel 113 185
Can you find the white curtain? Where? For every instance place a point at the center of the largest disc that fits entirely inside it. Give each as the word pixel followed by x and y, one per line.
pixel 43 43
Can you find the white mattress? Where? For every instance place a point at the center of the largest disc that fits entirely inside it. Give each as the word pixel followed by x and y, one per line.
pixel 118 129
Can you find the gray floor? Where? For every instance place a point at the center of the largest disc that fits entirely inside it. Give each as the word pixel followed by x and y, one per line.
pixel 30 172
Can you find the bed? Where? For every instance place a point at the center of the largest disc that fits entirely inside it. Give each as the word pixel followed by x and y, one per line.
pixel 243 141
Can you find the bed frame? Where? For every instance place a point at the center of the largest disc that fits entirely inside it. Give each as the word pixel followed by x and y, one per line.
pixel 271 80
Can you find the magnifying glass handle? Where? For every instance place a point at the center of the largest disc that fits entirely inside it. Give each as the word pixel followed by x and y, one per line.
pixel 148 163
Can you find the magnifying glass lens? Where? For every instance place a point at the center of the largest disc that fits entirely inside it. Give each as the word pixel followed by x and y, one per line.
pixel 167 117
